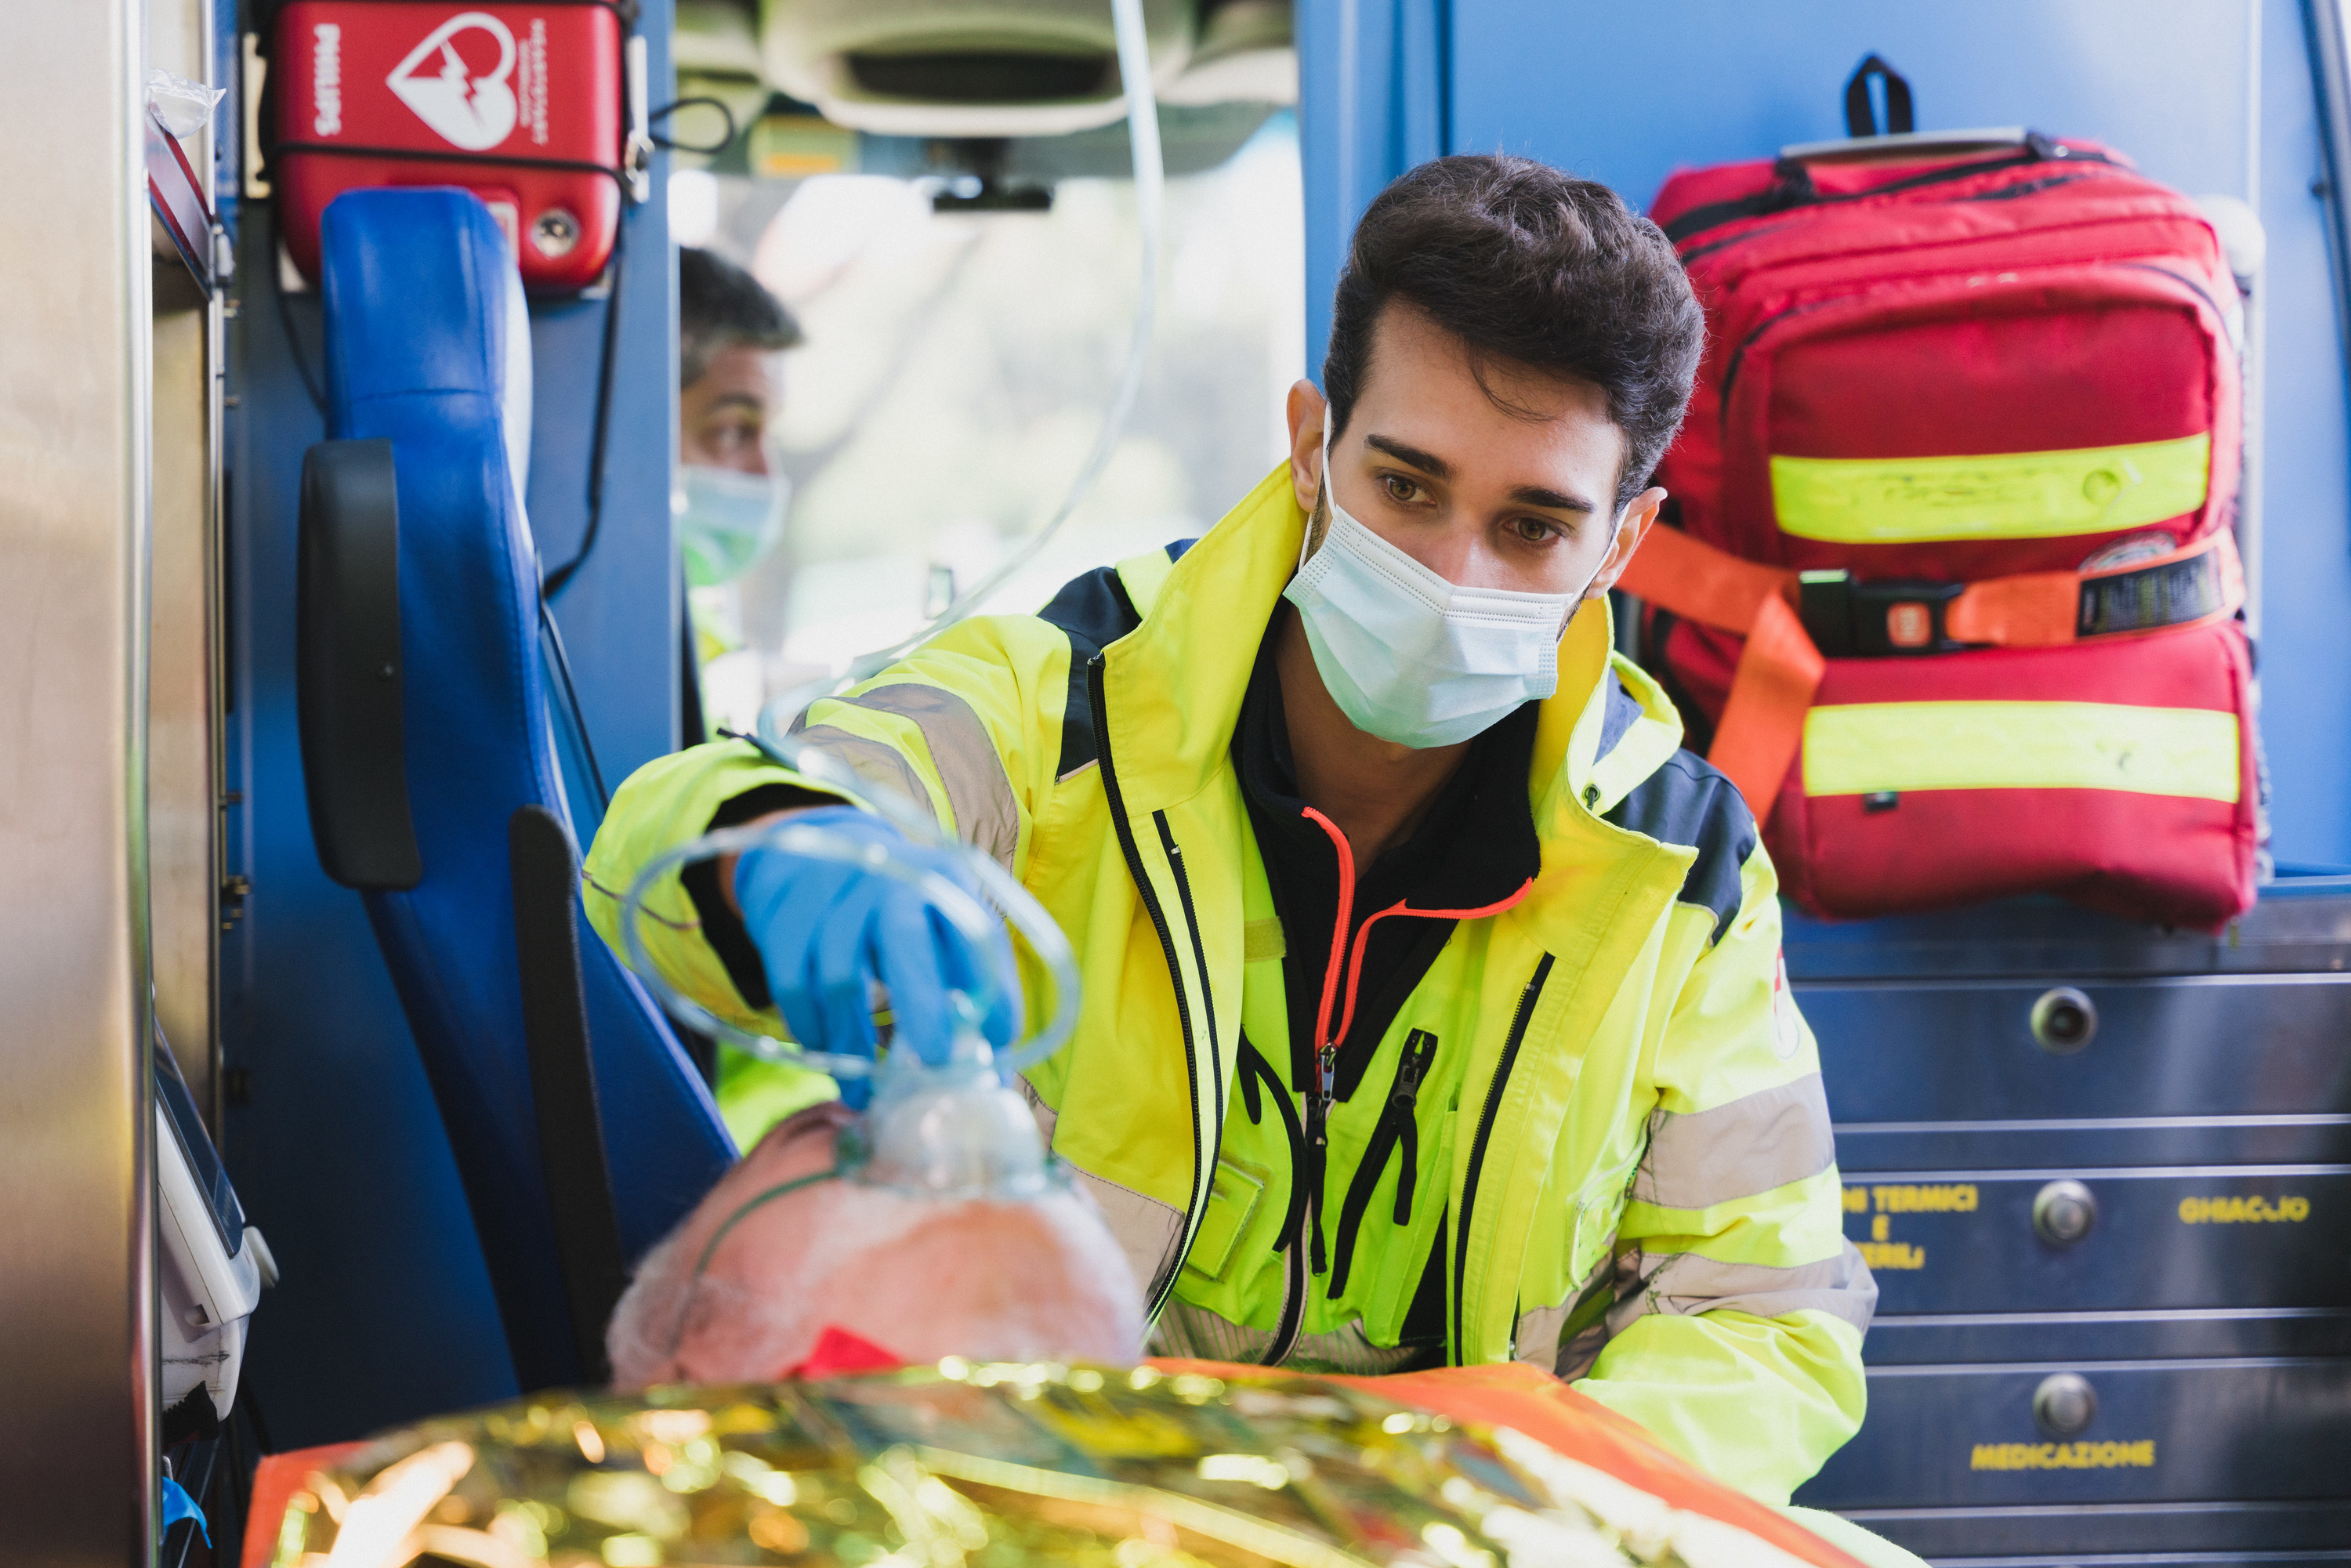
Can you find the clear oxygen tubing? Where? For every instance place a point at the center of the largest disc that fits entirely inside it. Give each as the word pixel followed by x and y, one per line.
pixel 1013 904
pixel 917 821
pixel 1150 183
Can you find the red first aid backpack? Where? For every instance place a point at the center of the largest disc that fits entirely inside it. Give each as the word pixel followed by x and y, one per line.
pixel 1953 575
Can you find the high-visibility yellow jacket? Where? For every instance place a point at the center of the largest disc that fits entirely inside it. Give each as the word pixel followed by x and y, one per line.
pixel 1623 1120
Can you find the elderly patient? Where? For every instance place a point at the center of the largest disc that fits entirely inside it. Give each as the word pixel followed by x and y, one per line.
pixel 784 1250
pixel 902 1342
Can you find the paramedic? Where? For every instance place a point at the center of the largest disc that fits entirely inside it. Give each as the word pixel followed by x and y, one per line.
pixel 731 332
pixel 1434 1011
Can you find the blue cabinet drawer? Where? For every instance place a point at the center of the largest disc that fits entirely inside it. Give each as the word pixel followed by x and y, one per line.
pixel 2055 1241
pixel 2109 1535
pixel 2034 1434
pixel 2321 1138
pixel 1898 1339
pixel 2202 1047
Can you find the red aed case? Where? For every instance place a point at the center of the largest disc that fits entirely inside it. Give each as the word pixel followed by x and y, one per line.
pixel 522 105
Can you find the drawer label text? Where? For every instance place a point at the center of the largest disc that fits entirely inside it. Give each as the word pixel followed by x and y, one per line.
pixel 2241 1210
pixel 1950 1198
pixel 2063 1455
pixel 1892 1254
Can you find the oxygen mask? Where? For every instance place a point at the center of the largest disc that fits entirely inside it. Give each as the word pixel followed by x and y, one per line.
pixel 950 1130
pixel 952 1125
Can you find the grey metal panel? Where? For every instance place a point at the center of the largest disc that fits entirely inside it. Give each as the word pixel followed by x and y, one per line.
pixel 2291 929
pixel 77 1279
pixel 2199 1046
pixel 183 792
pixel 2245 1532
pixel 2251 1430
pixel 2260 1235
pixel 1922 1338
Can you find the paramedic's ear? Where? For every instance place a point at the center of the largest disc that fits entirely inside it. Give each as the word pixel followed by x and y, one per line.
pixel 1307 411
pixel 1632 527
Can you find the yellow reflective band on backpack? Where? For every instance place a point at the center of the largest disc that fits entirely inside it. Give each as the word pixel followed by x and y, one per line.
pixel 1864 749
pixel 2002 496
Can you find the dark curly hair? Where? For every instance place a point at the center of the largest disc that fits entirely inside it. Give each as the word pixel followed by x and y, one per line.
pixel 1537 267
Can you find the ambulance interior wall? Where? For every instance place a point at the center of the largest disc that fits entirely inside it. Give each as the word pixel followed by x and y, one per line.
pixel 384 1310
pixel 1625 94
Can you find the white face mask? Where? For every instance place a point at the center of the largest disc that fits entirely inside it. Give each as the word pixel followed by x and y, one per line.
pixel 1414 658
pixel 726 520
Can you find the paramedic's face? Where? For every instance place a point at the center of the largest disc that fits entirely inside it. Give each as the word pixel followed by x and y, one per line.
pixel 723 413
pixel 1511 485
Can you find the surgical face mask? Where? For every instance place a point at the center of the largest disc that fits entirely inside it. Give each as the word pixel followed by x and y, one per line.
pixel 1410 656
pixel 726 520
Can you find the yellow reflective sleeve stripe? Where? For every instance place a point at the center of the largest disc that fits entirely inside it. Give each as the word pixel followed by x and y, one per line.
pixel 1999 495
pixel 1860 748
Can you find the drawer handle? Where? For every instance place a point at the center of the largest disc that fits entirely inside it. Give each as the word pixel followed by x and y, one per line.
pixel 2064 1212
pixel 2064 1020
pixel 2064 1405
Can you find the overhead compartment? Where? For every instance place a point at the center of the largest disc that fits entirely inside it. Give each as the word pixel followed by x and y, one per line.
pixel 965 68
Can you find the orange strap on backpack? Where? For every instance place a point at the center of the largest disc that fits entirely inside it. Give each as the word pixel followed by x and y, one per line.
pixel 1780 667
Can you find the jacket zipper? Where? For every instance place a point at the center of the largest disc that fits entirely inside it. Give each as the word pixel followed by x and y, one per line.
pixel 1769 202
pixel 1162 1287
pixel 1326 1041
pixel 1493 1107
pixel 1739 355
pixel 1398 1127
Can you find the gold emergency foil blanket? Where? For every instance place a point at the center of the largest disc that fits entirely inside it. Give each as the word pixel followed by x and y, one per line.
pixel 989 1466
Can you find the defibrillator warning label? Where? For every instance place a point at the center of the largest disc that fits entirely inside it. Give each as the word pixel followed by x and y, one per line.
pixel 2255 1210
pixel 2138 1456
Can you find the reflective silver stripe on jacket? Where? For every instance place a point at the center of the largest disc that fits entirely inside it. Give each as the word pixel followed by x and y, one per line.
pixel 1753 1145
pixel 978 790
pixel 1683 1285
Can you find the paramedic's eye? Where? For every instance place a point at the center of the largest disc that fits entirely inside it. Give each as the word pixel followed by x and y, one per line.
pixel 1535 530
pixel 1402 490
pixel 735 437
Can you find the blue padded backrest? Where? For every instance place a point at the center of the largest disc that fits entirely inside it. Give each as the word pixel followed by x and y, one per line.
pixel 428 345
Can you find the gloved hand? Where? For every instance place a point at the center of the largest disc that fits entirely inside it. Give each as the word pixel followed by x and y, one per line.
pixel 826 929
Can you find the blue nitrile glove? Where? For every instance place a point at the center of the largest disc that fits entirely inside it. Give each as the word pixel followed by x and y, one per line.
pixel 826 929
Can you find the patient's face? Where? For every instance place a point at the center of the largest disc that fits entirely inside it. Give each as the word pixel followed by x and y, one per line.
pixel 920 1277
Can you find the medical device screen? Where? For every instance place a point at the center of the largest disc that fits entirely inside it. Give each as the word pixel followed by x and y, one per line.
pixel 196 1148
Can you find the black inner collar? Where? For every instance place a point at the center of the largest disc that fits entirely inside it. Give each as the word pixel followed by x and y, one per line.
pixel 1476 846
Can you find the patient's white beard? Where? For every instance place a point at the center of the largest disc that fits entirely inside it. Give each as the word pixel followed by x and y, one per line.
pixel 760 1334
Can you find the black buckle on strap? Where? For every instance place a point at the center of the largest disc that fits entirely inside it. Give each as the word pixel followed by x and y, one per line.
pixel 1850 620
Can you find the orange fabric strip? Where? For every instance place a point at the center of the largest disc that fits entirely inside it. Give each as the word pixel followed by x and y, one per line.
pixel 1699 582
pixel 2035 609
pixel 1533 1403
pixel 2042 609
pixel 279 1477
pixel 1762 724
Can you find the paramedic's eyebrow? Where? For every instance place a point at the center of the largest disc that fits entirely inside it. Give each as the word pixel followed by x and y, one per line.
pixel 1549 500
pixel 1412 457
pixel 1429 463
pixel 735 400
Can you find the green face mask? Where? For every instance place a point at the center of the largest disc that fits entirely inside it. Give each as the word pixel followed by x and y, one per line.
pixel 730 520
